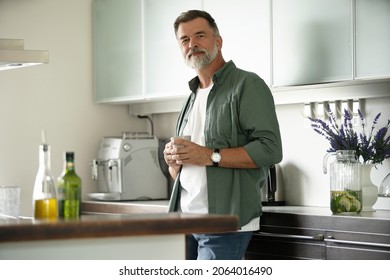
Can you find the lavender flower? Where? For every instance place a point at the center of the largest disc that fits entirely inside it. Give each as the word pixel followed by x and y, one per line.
pixel 370 148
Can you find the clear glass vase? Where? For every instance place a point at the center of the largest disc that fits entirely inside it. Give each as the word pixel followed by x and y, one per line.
pixel 345 185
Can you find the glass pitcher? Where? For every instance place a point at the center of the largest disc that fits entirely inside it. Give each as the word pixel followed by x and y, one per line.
pixel 345 186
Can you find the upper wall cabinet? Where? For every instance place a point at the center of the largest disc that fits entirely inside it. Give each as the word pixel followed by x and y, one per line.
pixel 117 50
pixel 312 41
pixel 316 41
pixel 245 28
pixel 166 74
pixel 372 38
pixel 136 57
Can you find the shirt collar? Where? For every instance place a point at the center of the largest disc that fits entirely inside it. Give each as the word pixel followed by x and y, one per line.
pixel 218 77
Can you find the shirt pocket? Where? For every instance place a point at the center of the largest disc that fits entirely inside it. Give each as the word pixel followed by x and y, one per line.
pixel 225 121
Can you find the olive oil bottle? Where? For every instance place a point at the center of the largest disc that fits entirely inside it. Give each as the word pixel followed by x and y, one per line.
pixel 44 195
pixel 69 190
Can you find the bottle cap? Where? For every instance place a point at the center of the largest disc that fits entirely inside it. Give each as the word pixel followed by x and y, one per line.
pixel 69 155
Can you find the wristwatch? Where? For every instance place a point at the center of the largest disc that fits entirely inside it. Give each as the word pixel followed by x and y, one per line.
pixel 216 157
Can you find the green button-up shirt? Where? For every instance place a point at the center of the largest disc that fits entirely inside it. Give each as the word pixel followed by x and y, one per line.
pixel 240 113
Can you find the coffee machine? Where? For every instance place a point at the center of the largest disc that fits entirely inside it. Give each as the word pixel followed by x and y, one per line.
pixel 130 167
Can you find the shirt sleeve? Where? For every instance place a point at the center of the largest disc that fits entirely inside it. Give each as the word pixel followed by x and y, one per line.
pixel 257 117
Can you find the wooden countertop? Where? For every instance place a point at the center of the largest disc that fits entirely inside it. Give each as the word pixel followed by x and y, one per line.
pixel 107 225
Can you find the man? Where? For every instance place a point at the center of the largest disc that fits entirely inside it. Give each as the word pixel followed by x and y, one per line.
pixel 235 137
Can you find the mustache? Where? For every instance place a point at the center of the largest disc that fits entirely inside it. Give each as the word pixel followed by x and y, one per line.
pixel 195 50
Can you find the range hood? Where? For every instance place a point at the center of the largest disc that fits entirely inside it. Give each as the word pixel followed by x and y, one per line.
pixel 13 55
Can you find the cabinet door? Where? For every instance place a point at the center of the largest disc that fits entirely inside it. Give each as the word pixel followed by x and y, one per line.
pixel 312 41
pixel 245 29
pixel 372 38
pixel 166 73
pixel 117 50
pixel 285 246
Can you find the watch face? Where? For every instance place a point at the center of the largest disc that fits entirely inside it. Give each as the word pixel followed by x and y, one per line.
pixel 216 157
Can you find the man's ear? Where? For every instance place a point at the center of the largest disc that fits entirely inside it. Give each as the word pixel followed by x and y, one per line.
pixel 219 42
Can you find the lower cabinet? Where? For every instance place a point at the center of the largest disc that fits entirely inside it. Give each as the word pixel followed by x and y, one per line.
pixel 357 246
pixel 270 246
pixel 303 237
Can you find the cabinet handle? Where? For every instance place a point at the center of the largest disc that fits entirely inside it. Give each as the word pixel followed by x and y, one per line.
pixel 318 237
pixel 333 240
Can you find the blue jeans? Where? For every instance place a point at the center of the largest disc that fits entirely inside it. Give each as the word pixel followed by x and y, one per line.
pixel 221 246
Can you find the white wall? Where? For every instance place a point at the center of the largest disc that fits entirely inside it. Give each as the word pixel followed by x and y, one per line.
pixel 56 96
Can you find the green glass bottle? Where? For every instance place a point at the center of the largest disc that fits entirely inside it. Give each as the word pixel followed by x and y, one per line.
pixel 69 190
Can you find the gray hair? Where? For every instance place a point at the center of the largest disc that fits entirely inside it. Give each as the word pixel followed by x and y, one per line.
pixel 193 14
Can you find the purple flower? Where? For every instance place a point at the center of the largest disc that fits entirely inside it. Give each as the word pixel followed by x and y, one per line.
pixel 370 148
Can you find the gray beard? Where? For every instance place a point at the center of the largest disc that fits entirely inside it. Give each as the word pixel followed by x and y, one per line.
pixel 198 62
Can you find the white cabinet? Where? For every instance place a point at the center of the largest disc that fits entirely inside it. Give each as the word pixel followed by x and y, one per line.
pixel 372 38
pixel 312 41
pixel 245 28
pixel 117 50
pixel 166 73
pixel 136 55
pixel 286 42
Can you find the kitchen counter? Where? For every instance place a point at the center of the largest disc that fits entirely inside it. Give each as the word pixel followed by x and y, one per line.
pixel 325 211
pixel 96 236
pixel 125 207
pixel 305 216
pixel 311 232
pixel 160 206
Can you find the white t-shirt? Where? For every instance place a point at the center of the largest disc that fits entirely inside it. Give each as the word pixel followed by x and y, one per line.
pixel 193 178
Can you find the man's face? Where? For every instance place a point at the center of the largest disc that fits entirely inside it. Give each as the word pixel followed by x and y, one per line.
pixel 198 43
